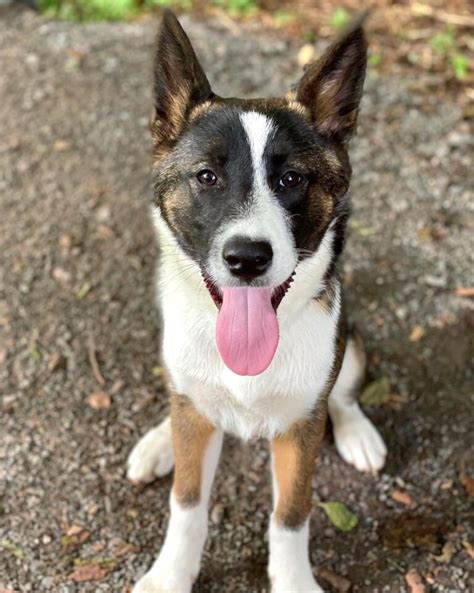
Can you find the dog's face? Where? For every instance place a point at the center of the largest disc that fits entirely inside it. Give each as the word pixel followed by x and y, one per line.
pixel 249 187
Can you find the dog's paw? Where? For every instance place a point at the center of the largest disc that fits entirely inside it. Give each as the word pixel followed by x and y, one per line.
pixel 163 581
pixel 152 457
pixel 298 585
pixel 359 442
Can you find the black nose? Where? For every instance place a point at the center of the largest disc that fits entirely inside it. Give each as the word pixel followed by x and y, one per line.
pixel 247 259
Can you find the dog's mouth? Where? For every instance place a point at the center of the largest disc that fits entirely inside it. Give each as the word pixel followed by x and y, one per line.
pixel 247 331
pixel 277 295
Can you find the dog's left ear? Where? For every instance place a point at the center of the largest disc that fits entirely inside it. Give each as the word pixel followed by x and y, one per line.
pixel 331 88
pixel 180 82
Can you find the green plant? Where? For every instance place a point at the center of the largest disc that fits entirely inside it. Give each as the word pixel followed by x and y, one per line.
pixel 340 18
pixel 89 10
pixel 459 64
pixel 237 7
pixel 283 17
pixel 445 44
pixel 375 60
pixel 444 41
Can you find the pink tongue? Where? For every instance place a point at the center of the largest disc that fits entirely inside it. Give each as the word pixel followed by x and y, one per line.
pixel 247 330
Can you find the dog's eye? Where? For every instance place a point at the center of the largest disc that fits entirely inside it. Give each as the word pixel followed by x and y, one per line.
pixel 290 179
pixel 207 177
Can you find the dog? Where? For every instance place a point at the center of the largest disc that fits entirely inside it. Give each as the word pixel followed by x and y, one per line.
pixel 250 206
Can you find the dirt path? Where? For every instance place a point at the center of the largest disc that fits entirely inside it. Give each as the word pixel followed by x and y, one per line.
pixel 76 272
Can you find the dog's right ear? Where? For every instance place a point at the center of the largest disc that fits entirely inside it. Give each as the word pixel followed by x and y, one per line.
pixel 180 83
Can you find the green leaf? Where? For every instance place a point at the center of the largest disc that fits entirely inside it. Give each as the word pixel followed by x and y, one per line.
pixel 360 229
pixel 157 371
pixel 444 41
pixel 339 18
pixel 375 60
pixel 9 546
pixel 459 64
pixel 376 393
pixel 339 515
pixel 83 291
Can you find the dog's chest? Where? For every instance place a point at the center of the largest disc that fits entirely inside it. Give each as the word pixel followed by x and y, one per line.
pixel 248 406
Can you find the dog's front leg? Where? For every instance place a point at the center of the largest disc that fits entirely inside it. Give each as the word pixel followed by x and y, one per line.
pixel 197 445
pixel 293 459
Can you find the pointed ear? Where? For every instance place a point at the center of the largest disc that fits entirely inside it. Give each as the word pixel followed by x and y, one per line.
pixel 180 82
pixel 331 88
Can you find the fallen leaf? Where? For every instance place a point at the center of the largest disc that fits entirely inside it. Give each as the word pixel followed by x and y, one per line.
pixel 61 275
pixel 73 539
pixel 306 54
pixel 339 515
pixel 416 334
pixel 468 547
pixel 83 291
pixel 415 582
pixel 99 400
pixel 61 145
pixel 468 483
pixel 3 590
pixel 360 229
pixel 447 553
pixel 376 393
pixel 90 572
pixel 104 231
pixel 403 498
pixel 65 241
pixel 56 361
pixel 9 546
pixel 123 549
pixel 465 292
pixel 339 583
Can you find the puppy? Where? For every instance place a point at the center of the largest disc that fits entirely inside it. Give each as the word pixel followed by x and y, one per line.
pixel 250 208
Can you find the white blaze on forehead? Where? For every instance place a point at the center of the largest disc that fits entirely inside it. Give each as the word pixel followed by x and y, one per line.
pixel 259 130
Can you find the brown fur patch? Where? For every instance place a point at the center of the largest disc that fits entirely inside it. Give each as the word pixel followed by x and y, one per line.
pixel 191 434
pixel 295 452
pixel 294 455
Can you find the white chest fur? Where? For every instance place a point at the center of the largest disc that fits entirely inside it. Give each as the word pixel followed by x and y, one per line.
pixel 247 406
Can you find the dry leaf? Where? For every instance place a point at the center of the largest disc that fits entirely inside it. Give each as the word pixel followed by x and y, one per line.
pixel 90 572
pixel 74 537
pixel 306 54
pixel 99 400
pixel 56 361
pixel 465 292
pixel 417 333
pixel 403 498
pixel 468 483
pixel 447 553
pixel 468 547
pixel 340 584
pixel 123 549
pixel 415 582
pixel 61 145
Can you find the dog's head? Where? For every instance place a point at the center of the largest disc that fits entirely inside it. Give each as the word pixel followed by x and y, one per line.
pixel 249 187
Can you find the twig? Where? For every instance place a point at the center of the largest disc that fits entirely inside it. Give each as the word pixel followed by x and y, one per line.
pixel 93 360
pixel 460 20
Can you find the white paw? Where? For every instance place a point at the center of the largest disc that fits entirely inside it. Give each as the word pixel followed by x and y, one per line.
pixel 152 457
pixel 297 585
pixel 358 441
pixel 163 581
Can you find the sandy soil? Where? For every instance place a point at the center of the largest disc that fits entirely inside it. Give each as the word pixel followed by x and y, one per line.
pixel 76 275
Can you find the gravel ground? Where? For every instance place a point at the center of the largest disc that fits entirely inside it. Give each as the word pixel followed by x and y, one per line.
pixel 76 277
